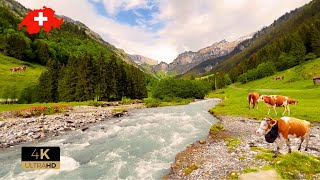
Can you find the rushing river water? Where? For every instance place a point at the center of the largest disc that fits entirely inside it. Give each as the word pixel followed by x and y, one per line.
pixel 140 146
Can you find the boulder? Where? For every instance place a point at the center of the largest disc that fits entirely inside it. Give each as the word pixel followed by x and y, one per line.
pixel 261 175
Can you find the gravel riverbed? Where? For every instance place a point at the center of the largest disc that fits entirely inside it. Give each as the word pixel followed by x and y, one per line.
pixel 212 159
pixel 18 130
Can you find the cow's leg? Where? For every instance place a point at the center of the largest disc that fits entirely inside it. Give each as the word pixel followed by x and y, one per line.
pixel 288 108
pixel 279 144
pixel 301 141
pixel 307 140
pixel 257 105
pixel 288 144
pixel 274 108
pixel 285 109
pixel 269 107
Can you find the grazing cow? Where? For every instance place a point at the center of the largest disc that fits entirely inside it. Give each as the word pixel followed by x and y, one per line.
pixel 277 101
pixel 253 98
pixel 285 128
pixel 23 68
pixel 14 69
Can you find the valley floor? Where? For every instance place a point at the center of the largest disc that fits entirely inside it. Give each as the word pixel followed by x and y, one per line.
pixel 236 150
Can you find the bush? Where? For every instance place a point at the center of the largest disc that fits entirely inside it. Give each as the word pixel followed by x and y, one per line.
pixel 151 102
pixel 170 88
pixel 263 70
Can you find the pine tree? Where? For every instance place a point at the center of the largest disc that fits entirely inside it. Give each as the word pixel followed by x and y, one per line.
pixel 85 83
pixel 112 84
pixel 315 41
pixel 102 78
pixel 48 82
pixel 68 81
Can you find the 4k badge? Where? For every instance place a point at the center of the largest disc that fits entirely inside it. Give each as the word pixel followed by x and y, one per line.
pixel 40 158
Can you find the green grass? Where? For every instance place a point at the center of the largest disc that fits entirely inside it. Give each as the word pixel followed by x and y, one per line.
pixel 216 128
pixel 290 165
pixel 232 143
pixel 119 110
pixel 189 170
pixel 295 86
pixel 18 80
pixel 11 107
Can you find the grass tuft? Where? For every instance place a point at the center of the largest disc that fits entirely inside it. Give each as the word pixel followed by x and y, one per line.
pixel 216 128
pixel 232 143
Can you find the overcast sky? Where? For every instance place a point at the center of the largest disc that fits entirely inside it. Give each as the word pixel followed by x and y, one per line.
pixel 162 29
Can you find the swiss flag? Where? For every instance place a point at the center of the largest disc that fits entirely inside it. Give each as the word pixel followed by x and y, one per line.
pixel 40 18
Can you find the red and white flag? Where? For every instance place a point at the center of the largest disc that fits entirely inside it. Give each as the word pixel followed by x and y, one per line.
pixel 40 18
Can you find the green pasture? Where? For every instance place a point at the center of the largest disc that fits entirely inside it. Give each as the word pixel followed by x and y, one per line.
pixel 297 84
pixel 17 81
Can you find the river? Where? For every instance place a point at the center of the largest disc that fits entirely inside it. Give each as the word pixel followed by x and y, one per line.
pixel 140 146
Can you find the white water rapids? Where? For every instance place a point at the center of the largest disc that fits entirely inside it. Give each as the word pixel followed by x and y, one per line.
pixel 140 146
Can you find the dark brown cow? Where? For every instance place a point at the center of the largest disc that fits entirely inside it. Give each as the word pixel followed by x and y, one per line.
pixel 253 98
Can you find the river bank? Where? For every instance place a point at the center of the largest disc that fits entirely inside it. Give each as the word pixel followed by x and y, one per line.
pixel 14 131
pixel 234 150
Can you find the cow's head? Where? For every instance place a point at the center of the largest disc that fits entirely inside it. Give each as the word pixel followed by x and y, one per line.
pixel 261 98
pixel 266 126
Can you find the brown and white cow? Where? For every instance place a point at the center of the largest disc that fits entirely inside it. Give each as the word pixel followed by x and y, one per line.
pixel 285 128
pixel 273 101
pixel 253 99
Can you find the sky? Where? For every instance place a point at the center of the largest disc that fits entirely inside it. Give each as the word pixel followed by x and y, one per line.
pixel 162 29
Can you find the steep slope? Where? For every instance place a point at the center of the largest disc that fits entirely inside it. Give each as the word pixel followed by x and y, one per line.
pixel 20 11
pixel 13 83
pixel 189 59
pixel 207 65
pixel 143 60
pixel 290 40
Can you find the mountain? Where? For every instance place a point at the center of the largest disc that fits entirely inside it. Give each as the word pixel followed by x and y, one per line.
pixel 162 66
pixel 207 65
pixel 291 39
pixel 187 60
pixel 143 60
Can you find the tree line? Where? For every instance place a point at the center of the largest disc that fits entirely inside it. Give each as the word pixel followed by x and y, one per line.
pixel 86 78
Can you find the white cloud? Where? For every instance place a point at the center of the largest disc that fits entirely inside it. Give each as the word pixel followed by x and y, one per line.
pixel 188 24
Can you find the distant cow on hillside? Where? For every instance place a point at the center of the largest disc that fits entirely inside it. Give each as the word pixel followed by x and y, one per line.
pixel 278 78
pixel 253 98
pixel 277 101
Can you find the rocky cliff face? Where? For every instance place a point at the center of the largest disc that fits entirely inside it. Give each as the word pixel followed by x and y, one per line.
pixel 143 60
pixel 162 66
pixel 187 60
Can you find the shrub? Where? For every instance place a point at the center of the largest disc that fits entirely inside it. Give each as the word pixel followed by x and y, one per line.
pixel 180 88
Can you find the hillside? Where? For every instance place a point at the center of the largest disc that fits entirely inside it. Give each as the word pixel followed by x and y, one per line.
pixel 80 65
pixel 297 84
pixel 20 11
pixel 278 41
pixel 17 81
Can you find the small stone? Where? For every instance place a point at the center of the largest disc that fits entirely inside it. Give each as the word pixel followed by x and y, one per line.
pixel 37 136
pixel 202 141
pixel 85 128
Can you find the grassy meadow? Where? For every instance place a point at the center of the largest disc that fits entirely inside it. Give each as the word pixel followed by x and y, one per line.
pixel 297 84
pixel 17 81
